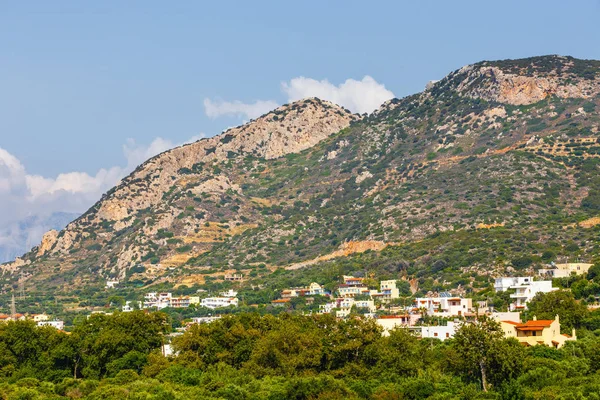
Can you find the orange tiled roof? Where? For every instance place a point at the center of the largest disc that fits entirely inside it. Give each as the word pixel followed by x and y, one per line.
pixel 535 325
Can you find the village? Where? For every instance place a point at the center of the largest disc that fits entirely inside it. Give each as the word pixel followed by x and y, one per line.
pixel 438 315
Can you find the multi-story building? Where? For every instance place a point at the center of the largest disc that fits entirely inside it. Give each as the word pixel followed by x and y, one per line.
pixel 345 306
pixel 352 290
pixel 350 280
pixel 534 332
pixel 314 289
pixel 39 317
pixel 184 301
pixel 445 305
pixel 218 302
pixel 526 292
pixel 158 300
pixel 505 283
pixel 387 291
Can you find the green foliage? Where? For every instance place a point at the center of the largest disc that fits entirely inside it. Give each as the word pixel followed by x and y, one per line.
pixel 561 303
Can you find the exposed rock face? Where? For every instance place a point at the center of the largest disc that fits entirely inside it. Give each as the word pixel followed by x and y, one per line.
pixel 288 129
pixel 48 240
pixel 527 85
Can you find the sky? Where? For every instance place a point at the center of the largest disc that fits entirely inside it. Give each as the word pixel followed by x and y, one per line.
pixel 88 90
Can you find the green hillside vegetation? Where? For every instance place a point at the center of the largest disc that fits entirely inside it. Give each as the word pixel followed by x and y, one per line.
pixel 460 186
pixel 285 357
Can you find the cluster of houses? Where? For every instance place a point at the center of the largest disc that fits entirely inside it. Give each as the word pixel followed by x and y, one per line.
pixel 39 319
pixel 449 310
pixel 160 300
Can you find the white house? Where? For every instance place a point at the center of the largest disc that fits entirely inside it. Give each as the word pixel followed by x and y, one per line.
pixel 55 324
pixel 158 300
pixel 440 332
pixel 445 305
pixel 525 292
pixel 217 302
pixel 505 283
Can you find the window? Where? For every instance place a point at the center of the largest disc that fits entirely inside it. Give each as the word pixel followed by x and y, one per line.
pixel 447 334
pixel 435 334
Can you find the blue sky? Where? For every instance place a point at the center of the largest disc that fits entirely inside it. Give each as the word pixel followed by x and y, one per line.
pixel 81 80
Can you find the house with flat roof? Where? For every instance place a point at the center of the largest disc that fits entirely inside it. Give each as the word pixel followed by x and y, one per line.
pixel 441 332
pixel 565 270
pixel 218 302
pixel 445 305
pixel 314 289
pixel 524 293
pixel 389 322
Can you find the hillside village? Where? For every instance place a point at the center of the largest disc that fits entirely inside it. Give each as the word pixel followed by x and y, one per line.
pixel 436 315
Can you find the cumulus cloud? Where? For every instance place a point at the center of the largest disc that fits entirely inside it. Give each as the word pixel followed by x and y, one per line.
pixel 218 108
pixel 362 96
pixel 24 195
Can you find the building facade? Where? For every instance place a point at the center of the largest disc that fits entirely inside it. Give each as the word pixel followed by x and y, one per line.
pixel 537 332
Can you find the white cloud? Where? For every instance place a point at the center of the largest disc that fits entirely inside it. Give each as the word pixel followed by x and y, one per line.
pixel 24 195
pixel 219 108
pixel 362 96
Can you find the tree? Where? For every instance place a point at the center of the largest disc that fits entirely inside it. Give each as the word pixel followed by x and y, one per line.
pixel 561 303
pixel 483 352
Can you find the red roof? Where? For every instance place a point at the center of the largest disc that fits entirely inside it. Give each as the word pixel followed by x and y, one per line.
pixel 535 325
pixel 281 301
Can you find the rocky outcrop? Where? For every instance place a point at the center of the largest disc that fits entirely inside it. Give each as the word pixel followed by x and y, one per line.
pixel 489 81
pixel 48 240
pixel 288 129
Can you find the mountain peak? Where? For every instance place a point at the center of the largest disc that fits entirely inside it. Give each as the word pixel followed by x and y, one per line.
pixel 525 81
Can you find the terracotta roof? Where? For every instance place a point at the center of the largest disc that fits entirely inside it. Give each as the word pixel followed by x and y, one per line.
pixel 535 325
pixel 281 301
pixel 511 322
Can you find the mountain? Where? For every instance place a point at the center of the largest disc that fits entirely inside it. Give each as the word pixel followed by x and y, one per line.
pixel 19 237
pixel 491 168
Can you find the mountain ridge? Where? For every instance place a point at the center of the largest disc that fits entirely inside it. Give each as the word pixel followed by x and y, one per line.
pixel 355 179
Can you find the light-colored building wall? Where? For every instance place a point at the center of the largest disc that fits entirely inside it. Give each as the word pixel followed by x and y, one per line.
pixel 55 324
pixel 389 322
pixel 565 270
pixel 524 293
pixel 535 332
pixel 505 283
pixel 218 302
pixel 440 332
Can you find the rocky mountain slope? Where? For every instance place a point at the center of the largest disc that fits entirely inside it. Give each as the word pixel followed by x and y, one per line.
pixel 508 146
